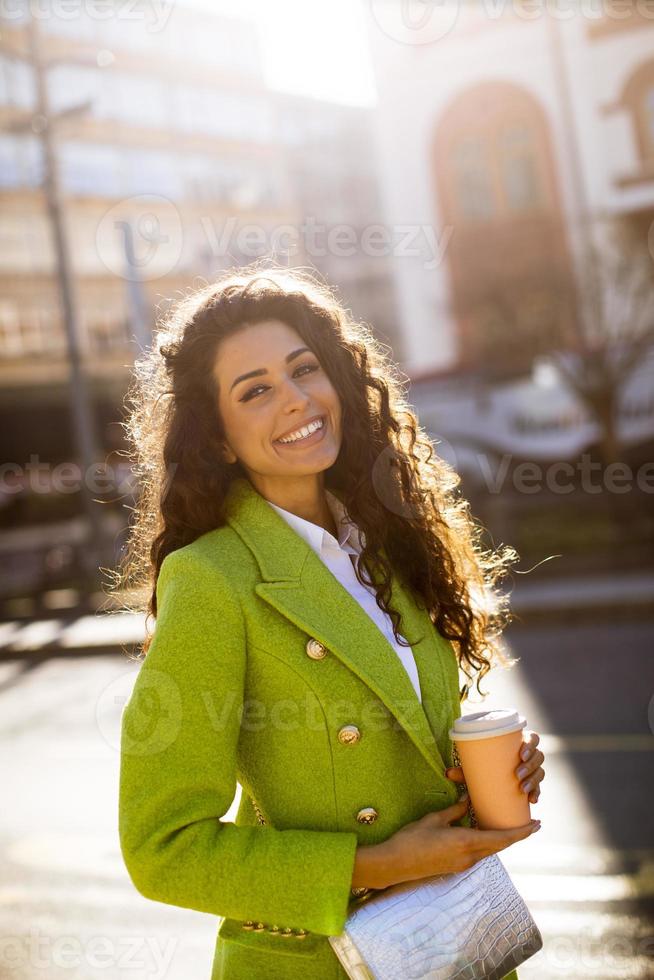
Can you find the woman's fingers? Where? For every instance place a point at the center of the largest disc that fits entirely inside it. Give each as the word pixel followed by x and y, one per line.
pixel 529 744
pixel 490 841
pixel 532 781
pixel 531 772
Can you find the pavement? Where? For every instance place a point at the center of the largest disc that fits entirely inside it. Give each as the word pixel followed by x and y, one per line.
pixel 66 630
pixel 587 876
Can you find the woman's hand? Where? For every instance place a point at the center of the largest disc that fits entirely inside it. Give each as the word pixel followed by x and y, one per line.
pixel 529 770
pixel 429 846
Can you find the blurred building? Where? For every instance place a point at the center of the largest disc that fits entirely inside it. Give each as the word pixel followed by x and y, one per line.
pixel 506 133
pixel 505 129
pixel 333 170
pixel 175 161
pixel 182 162
pixel 178 141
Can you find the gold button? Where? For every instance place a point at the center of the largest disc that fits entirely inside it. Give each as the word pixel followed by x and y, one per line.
pixel 273 928
pixel 259 927
pixel 301 933
pixel 349 734
pixel 286 932
pixel 248 925
pixel 367 815
pixel 315 649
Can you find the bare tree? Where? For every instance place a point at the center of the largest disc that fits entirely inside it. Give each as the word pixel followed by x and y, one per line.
pixel 596 325
pixel 614 327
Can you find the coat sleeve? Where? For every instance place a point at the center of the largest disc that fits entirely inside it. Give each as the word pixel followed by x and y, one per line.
pixel 179 736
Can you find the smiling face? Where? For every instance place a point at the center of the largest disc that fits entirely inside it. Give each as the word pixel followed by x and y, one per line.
pixel 270 385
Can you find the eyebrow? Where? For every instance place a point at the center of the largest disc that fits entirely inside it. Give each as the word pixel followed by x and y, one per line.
pixel 255 374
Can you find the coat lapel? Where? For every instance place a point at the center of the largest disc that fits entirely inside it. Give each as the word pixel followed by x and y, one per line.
pixel 301 587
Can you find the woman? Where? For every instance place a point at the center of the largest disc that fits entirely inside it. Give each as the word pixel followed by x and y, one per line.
pixel 316 586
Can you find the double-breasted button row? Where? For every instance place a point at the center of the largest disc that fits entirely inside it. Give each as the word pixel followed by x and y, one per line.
pixel 348 734
pixel 275 930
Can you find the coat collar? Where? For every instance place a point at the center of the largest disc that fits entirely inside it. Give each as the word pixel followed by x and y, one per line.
pixel 317 537
pixel 300 586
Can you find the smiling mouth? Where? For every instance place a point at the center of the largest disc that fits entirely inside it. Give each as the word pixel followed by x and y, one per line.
pixel 312 437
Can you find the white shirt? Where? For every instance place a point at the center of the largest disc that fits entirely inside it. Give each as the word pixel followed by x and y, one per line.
pixel 336 556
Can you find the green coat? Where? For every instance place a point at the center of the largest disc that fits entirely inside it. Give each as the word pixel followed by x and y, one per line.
pixel 229 691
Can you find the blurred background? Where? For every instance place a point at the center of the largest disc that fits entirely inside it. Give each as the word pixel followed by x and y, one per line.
pixel 475 178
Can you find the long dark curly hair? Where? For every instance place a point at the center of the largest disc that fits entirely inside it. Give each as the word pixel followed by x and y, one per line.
pixel 394 486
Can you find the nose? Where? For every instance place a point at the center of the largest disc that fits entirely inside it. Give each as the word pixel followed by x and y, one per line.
pixel 293 395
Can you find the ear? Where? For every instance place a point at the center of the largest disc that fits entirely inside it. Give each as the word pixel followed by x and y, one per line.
pixel 228 455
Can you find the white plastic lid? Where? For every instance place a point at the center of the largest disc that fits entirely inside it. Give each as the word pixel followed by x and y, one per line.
pixel 487 724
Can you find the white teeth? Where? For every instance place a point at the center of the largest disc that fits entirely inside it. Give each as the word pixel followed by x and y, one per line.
pixel 302 433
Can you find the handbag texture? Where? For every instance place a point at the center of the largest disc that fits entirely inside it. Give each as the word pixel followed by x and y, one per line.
pixel 470 925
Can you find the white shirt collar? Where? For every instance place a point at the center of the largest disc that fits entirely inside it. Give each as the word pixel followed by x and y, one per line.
pixel 349 536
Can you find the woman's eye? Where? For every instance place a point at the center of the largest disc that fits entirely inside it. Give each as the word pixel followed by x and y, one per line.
pixel 252 392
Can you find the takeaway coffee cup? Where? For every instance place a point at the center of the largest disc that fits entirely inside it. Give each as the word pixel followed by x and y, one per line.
pixel 488 743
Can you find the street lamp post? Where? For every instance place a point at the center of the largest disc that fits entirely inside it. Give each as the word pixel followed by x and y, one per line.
pixel 43 125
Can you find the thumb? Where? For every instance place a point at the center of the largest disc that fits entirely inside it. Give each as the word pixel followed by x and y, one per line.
pixel 455 774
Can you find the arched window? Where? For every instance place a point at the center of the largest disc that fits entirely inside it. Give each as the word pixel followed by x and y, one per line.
pixel 492 145
pixel 496 185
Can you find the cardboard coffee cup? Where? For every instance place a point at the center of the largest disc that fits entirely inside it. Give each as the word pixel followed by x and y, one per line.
pixel 488 743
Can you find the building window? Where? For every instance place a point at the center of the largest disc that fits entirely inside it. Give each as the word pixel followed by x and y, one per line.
pixel 35 331
pixel 90 168
pixel 497 172
pixel 519 167
pixel 10 338
pixel 49 329
pixel 21 161
pixel 104 332
pixel 473 178
pixel 17 85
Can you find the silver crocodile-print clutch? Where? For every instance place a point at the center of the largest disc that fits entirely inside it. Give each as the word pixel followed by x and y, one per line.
pixel 468 925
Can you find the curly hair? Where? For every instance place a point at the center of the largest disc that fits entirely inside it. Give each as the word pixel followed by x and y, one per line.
pixel 403 497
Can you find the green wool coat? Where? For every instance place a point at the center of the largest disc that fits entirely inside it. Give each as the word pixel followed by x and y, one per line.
pixel 229 692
